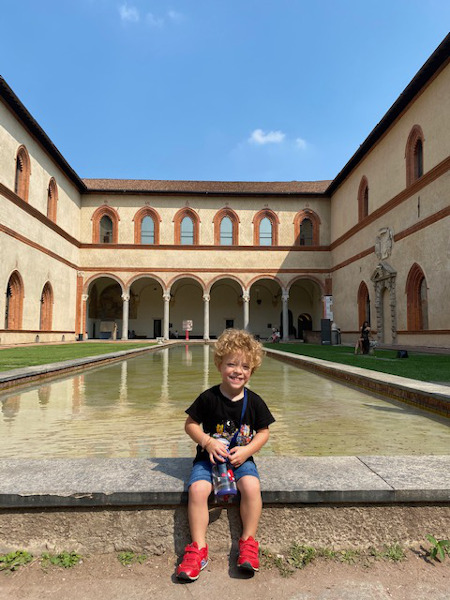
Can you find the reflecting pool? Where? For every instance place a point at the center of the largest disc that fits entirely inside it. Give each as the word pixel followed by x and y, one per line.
pixel 136 409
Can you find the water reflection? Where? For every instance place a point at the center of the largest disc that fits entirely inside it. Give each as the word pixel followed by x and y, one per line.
pixel 136 409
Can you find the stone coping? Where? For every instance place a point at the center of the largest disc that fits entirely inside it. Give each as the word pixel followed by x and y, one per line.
pixel 422 394
pixel 37 484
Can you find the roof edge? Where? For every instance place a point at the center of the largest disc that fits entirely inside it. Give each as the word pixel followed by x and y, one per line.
pixel 16 106
pixel 437 60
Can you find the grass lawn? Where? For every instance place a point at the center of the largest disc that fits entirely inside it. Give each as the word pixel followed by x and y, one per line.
pixel 15 358
pixel 425 367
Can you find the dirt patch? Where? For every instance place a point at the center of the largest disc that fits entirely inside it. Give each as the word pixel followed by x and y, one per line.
pixel 103 577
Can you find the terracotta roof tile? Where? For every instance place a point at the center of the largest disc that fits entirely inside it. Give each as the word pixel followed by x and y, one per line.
pixel 207 187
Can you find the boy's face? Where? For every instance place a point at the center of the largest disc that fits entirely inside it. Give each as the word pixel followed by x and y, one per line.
pixel 236 370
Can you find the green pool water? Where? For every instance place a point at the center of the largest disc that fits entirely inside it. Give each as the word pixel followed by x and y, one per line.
pixel 136 409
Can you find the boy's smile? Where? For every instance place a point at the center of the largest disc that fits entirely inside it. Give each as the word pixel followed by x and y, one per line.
pixel 236 370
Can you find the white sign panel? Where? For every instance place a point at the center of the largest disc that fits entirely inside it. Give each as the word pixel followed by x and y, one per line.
pixel 187 325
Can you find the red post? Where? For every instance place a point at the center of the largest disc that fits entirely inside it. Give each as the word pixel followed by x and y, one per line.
pixel 187 335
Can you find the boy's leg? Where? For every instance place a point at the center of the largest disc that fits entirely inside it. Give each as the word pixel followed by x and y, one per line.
pixel 198 513
pixel 251 505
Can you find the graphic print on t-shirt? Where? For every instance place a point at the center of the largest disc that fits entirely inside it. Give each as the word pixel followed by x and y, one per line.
pixel 227 430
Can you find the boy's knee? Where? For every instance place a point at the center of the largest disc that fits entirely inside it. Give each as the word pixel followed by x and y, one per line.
pixel 249 485
pixel 200 490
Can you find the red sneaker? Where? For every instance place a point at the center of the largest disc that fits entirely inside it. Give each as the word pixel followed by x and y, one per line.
pixel 248 554
pixel 194 560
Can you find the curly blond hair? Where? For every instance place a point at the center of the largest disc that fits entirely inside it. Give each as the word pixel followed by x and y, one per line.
pixel 235 341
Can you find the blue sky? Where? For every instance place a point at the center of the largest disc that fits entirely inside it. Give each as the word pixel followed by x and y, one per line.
pixel 255 90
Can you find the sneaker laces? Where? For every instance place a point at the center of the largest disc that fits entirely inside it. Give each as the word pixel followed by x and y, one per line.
pixel 249 547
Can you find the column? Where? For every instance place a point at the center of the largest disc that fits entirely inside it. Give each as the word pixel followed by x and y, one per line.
pixel 125 313
pixel 285 298
pixel 246 300
pixel 166 297
pixel 84 299
pixel 206 298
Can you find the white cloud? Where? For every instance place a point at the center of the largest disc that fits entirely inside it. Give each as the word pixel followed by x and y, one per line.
pixel 301 144
pixel 259 137
pixel 129 14
pixel 154 21
pixel 174 15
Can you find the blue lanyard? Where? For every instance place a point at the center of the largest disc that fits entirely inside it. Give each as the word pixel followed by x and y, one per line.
pixel 244 408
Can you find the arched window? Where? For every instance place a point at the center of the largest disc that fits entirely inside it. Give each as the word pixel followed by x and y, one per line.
pixel 226 232
pixel 265 232
pixel 105 225
pixel 23 171
pixel 106 230
pixel 14 302
pixel 306 233
pixel 417 299
pixel 226 224
pixel 186 223
pixel 146 226
pixel 46 308
pixel 187 232
pixel 306 228
pixel 414 155
pixel 363 304
pixel 363 199
pixel 147 230
pixel 52 200
pixel 265 228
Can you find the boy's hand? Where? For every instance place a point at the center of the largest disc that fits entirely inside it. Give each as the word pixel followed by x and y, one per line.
pixel 217 451
pixel 238 455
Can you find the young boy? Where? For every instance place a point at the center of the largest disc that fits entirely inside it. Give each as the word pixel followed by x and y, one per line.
pixel 220 411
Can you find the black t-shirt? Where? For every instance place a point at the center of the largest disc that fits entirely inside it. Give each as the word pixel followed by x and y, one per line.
pixel 220 417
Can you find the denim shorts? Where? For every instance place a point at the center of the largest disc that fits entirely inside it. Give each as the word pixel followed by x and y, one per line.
pixel 202 471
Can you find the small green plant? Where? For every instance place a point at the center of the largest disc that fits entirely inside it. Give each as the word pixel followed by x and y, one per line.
pixel 14 560
pixel 299 556
pixel 327 553
pixel 439 548
pixel 63 559
pixel 349 556
pixel 128 558
pixel 269 560
pixel 395 553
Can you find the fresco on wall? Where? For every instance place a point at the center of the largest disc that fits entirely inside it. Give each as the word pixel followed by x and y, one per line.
pixel 108 304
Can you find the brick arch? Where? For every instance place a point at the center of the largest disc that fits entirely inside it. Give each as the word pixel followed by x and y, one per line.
pixel 417 313
pixel 151 276
pixel 179 216
pixel 414 154
pixel 110 212
pixel 308 277
pixel 363 304
pixel 224 277
pixel 23 172
pixel 14 301
pixel 146 211
pixel 91 280
pixel 232 215
pixel 363 198
pixel 46 313
pixel 186 276
pixel 315 220
pixel 273 218
pixel 264 276
pixel 52 200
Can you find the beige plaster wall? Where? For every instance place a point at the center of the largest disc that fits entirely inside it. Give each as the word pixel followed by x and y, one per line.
pixel 12 135
pixel 385 166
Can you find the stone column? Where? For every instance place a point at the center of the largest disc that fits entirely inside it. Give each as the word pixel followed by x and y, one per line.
pixel 206 298
pixel 125 314
pixel 285 298
pixel 166 297
pixel 84 299
pixel 246 300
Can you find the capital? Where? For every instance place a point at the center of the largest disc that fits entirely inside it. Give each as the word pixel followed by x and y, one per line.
pixel 126 297
pixel 206 297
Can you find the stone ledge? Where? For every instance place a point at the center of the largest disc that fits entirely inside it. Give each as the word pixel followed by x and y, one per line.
pixel 37 484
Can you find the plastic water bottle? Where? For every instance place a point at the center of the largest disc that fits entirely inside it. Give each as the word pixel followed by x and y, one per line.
pixel 223 478
pixel 223 481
